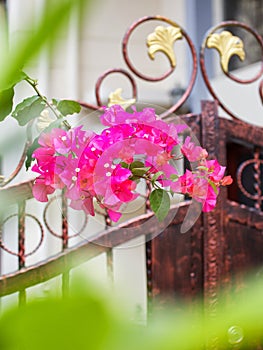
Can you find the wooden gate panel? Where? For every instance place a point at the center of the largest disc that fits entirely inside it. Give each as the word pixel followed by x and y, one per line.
pixel 177 265
pixel 244 246
pixel 228 241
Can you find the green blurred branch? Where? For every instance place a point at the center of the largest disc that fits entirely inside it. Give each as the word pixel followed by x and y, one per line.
pixel 55 15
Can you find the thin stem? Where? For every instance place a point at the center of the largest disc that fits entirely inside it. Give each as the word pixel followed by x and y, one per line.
pixel 34 84
pixel 177 157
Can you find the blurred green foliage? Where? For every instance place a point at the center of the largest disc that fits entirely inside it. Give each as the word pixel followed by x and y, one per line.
pixel 55 15
pixel 90 320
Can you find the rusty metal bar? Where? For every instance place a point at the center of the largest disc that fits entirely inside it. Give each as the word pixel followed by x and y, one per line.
pixel 21 246
pixel 212 221
pixel 148 255
pixel 257 177
pixel 21 235
pixel 83 252
pixel 65 239
pixel 48 269
pixel 16 193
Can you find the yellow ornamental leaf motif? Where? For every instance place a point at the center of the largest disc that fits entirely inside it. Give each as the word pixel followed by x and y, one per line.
pixel 163 39
pixel 115 98
pixel 227 45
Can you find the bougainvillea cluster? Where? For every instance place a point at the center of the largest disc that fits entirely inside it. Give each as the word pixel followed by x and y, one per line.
pixel 107 167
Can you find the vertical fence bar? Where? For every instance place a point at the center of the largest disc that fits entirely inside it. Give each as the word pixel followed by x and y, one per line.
pixel 213 243
pixel 148 251
pixel 148 256
pixel 109 256
pixel 257 177
pixel 65 239
pixel 21 246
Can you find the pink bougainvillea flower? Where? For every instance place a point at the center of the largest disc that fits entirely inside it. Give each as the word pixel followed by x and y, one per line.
pixel 84 201
pixel 72 140
pixel 215 170
pixel 114 215
pixel 192 152
pixel 98 167
pixel 116 115
pixel 163 158
pixel 41 189
pixel 116 186
pixel 165 169
pixel 227 180
pixel 57 158
pixel 184 184
pixel 210 200
pixel 199 189
pixel 63 142
pixel 121 186
pixel 45 165
pixel 144 123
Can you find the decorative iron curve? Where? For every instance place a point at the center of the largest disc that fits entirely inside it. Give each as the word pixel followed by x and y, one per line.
pixel 9 251
pixel 161 40
pixel 49 228
pixel 228 45
pixel 5 180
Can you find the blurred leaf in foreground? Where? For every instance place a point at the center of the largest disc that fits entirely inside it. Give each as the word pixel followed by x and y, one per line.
pixel 88 320
pixel 6 102
pixel 54 16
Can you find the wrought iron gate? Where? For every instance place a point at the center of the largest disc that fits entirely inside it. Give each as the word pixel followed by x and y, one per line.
pixel 221 247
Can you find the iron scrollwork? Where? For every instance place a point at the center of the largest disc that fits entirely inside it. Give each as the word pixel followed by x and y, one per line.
pixel 161 40
pixel 227 46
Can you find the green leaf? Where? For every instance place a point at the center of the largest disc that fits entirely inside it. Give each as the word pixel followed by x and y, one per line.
pixel 18 76
pixel 6 102
pixel 213 185
pixel 135 178
pixel 55 102
pixel 30 151
pixel 174 177
pixel 67 107
pixel 136 164
pixel 156 175
pixel 28 109
pixel 140 171
pixel 124 165
pixel 160 203
pixel 201 167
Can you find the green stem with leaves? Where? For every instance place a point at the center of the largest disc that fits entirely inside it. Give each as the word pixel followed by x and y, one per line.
pixel 34 85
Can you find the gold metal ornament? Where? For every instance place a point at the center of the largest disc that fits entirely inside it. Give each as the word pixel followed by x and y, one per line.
pixel 115 98
pixel 162 39
pixel 227 45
